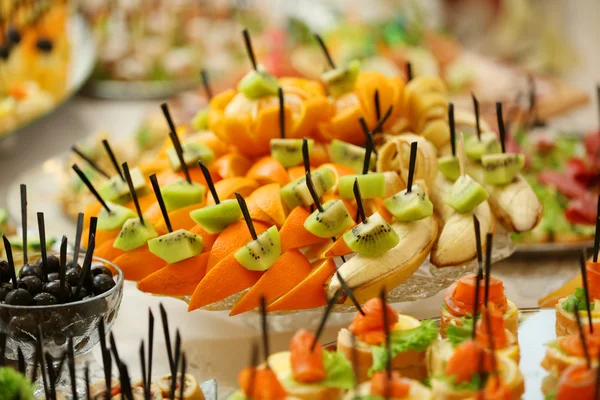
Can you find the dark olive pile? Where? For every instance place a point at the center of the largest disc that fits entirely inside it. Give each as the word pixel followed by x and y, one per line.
pixel 33 289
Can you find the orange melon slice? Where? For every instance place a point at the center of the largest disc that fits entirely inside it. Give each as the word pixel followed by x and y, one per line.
pixel 139 263
pixel 268 170
pixel 180 219
pixel 268 199
pixel 101 237
pixel 309 293
pixel 227 188
pixel 179 279
pixel 292 233
pixel 232 238
pixel 291 268
pixel 226 278
pixel 107 251
pixel 91 211
pixel 231 165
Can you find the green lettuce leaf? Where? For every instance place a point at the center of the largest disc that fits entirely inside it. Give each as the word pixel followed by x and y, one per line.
pixel 339 373
pixel 473 384
pixel 367 397
pixel 576 298
pixel 13 384
pixel 458 334
pixel 417 339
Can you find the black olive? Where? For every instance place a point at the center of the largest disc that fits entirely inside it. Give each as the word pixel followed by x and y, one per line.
pixel 13 35
pixel 5 272
pixel 73 264
pixel 72 276
pixel 54 289
pixel 100 270
pixel 44 45
pixel 54 276
pixel 53 263
pixel 4 289
pixel 102 283
pixel 31 283
pixel 53 325
pixel 83 293
pixel 44 299
pixel 23 326
pixel 59 340
pixel 18 297
pixel 31 269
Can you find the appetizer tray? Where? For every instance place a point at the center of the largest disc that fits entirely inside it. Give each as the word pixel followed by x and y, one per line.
pixel 81 67
pixel 552 247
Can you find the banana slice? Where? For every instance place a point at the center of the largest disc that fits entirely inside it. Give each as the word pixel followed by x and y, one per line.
pixel 393 183
pixel 191 390
pixel 368 275
pixel 515 205
pixel 456 244
pixel 155 392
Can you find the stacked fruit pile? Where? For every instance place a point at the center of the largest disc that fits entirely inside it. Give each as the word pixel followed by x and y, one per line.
pixel 319 196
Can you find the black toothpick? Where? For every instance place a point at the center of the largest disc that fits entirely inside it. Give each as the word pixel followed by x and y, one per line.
pixel 377 107
pixel 586 290
pixel 150 346
pixel 586 351
pixel 182 377
pixel 597 233
pixel 281 113
pixel 349 291
pixel 478 241
pixel 86 373
pixel 42 233
pixel 488 320
pixel 11 261
pixel 313 192
pixel 21 360
pixel 249 51
pixel 330 303
pixel 90 162
pixel 383 119
pixel 125 381
pixel 165 324
pixel 62 269
pixel 51 377
pixel 165 109
pixel 265 330
pixel 388 346
pixel 501 126
pixel 87 264
pixel 90 187
pixel 488 266
pixel 305 156
pixel 92 229
pixel 40 350
pixel 106 360
pixel 246 214
pixel 411 166
pixel 452 128
pixel 142 354
pixel 476 109
pixel 206 84
pixel 78 232
pixel 71 365
pixel 209 182
pixel 132 192
pixel 325 50
pixel 359 202
pixel 113 159
pixel 253 365
pixel 175 364
pixel 478 276
pixel 24 221
pixel 409 73
pixel 36 361
pixel 179 152
pixel 368 151
pixel 113 348
pixel 161 202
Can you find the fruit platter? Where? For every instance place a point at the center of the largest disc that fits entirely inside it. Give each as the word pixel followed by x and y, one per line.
pixel 37 54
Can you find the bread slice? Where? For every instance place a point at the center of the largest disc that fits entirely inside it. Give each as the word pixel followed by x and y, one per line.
pixel 556 360
pixel 566 324
pixel 418 391
pixel 410 363
pixel 511 319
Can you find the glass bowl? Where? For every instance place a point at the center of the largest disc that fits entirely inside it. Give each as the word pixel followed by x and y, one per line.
pixel 60 321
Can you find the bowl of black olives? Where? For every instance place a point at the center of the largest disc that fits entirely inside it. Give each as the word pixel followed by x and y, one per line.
pixel 55 298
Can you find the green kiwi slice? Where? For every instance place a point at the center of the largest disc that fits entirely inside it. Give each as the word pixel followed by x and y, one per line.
pixel 181 193
pixel 289 151
pixel 371 185
pixel 192 153
pixel 176 246
pixel 342 79
pixel 466 194
pixel 113 220
pixel 258 83
pixel 216 217
pixel 33 241
pixel 296 193
pixel 372 237
pixel 476 148
pixel 117 191
pixel 261 253
pixel 409 206
pixel 134 234
pixel 200 120
pixel 332 221
pixel 501 169
pixel 349 155
pixel 449 167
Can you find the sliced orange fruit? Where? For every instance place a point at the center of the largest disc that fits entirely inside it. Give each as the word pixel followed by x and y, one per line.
pixel 268 199
pixel 139 263
pixel 232 238
pixel 180 219
pixel 268 170
pixel 107 251
pixel 293 234
pixel 179 279
pixel 227 188
pixel 231 165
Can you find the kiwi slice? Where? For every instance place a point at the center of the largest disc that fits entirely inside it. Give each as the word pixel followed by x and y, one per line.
pixel 372 237
pixel 342 79
pixel 258 83
pixel 192 153
pixel 349 155
pixel 113 220
pixel 449 167
pixel 476 148
pixel 371 185
pixel 181 193
pixel 3 216
pixel 501 169
pixel 409 206
pixel 261 253
pixel 465 194
pixel 216 217
pixel 134 234
pixel 176 246
pixel 33 241
pixel 296 193
pixel 117 191
pixel 289 151
pixel 332 221
pixel 200 120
